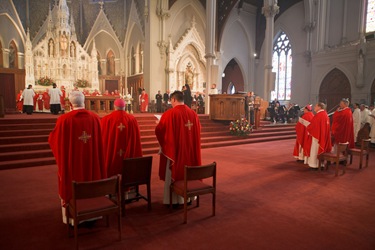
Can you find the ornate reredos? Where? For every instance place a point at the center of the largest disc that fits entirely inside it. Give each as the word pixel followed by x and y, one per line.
pixel 189 50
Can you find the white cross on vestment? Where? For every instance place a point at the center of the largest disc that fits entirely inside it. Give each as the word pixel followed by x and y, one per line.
pixel 121 126
pixel 84 137
pixel 189 124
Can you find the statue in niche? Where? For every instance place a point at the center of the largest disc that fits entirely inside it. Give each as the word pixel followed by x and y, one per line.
pixel 360 67
pixel 63 44
pixel 51 48
pixel 12 56
pixel 110 63
pixel 72 50
pixel 189 75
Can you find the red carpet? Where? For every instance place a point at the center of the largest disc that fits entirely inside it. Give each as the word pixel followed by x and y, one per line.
pixel 265 200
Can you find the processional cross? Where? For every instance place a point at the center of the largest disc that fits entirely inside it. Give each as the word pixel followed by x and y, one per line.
pixel 84 137
pixel 189 124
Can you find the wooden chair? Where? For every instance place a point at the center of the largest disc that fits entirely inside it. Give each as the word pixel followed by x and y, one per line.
pixel 135 172
pixel 192 185
pixel 363 151
pixel 91 200
pixel 340 156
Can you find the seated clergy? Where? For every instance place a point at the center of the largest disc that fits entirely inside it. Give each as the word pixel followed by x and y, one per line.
pixel 121 138
pixel 76 143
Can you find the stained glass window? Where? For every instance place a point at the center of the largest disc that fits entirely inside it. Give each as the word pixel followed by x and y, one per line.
pixel 282 66
pixel 370 16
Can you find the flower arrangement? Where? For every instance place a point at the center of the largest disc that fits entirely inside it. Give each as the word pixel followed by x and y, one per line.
pixel 240 127
pixel 82 83
pixel 45 81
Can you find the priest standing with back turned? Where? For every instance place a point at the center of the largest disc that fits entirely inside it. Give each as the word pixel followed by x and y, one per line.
pixel 179 136
pixel 76 143
pixel 342 124
pixel 121 138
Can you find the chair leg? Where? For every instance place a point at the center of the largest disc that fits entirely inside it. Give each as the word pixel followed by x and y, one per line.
pixel 351 159
pixel 337 168
pixel 360 161
pixel 197 200
pixel 185 209
pixel 123 202
pixel 213 203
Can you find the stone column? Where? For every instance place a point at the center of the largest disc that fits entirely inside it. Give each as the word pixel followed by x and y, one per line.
pixel 270 9
pixel 210 47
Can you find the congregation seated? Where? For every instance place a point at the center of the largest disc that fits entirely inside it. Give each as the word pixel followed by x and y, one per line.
pixel 293 112
pixel 277 112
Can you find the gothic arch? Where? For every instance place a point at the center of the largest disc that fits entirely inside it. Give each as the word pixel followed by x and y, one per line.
pixel 333 88
pixel 13 55
pixel 233 76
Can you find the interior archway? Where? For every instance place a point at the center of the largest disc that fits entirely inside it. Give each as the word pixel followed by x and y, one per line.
pixel 233 75
pixel 334 87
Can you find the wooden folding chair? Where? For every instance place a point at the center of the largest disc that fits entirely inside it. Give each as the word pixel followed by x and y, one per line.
pixel 340 156
pixel 363 151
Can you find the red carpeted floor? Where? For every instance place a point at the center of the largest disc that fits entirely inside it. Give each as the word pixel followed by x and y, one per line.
pixel 265 200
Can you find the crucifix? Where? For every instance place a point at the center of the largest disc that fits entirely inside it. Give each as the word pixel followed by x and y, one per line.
pixel 121 126
pixel 189 124
pixel 84 137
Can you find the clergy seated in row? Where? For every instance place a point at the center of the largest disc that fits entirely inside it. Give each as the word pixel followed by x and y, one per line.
pixel 76 143
pixel 277 112
pixel 293 112
pixel 179 136
pixel 342 125
pixel 121 138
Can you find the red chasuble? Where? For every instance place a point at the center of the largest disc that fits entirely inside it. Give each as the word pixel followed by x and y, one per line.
pixel 62 99
pixel 76 143
pixel 144 102
pixel 319 128
pixel 46 99
pixel 19 103
pixel 179 136
pixel 303 138
pixel 343 127
pixel 121 140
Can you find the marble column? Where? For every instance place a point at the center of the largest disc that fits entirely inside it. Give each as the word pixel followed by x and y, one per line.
pixel 210 47
pixel 269 10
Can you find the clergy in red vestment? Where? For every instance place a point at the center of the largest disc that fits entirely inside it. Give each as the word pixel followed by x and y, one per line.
pixel 179 136
pixel 121 138
pixel 143 99
pixel 46 99
pixel 319 129
pixel 19 101
pixel 76 143
pixel 303 140
pixel 342 124
pixel 40 101
pixel 62 98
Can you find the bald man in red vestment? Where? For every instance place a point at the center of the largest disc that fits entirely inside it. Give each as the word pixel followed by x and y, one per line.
pixel 342 124
pixel 319 129
pixel 121 138
pixel 303 140
pixel 179 136
pixel 76 143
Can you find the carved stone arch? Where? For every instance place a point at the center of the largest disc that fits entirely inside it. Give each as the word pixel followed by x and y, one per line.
pixel 333 88
pixel 13 55
pixel 233 75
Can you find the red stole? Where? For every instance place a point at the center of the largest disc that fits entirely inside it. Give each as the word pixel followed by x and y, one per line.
pixel 178 133
pixel 303 138
pixel 319 128
pixel 342 127
pixel 121 140
pixel 76 143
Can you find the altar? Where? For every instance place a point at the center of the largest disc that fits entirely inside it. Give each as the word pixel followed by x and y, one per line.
pixel 227 107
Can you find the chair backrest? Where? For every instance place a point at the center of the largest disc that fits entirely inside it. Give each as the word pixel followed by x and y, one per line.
pixel 365 144
pixel 92 189
pixel 342 148
pixel 136 171
pixel 200 172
